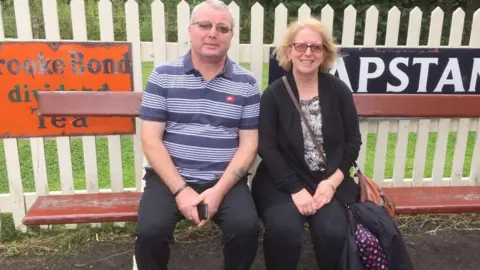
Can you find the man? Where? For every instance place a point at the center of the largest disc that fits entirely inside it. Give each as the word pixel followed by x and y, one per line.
pixel 199 134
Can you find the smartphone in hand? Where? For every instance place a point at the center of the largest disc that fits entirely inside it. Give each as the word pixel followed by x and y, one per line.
pixel 202 209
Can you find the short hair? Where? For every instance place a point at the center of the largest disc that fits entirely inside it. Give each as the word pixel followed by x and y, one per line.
pixel 330 50
pixel 216 4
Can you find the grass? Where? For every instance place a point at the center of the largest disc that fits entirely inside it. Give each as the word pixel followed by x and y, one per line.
pixel 128 158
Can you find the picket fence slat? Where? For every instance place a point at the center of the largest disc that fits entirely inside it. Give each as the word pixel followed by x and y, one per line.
pixel 440 153
pixel 256 41
pixel 24 31
pixel 393 27
pixel 114 143
pixel 158 32
pixel 371 25
pixel 234 51
pixel 474 36
pixel 2 30
pixel 79 29
pixel 435 30
pixel 421 152
pixel 133 36
pixel 456 30
pixel 349 26
pixel 52 33
pixel 414 23
pixel 183 12
pixel 475 163
pixel 401 153
pixel 459 154
pixel 281 19
pixel 475 166
pixel 327 17
pixel 434 39
pixel 361 160
pixel 304 12
pixel 12 162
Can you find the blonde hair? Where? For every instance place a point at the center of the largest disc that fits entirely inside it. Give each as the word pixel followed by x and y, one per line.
pixel 330 52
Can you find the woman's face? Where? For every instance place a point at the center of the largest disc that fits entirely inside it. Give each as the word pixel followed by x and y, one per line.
pixel 306 52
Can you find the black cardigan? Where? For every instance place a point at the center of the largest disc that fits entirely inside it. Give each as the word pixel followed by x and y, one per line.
pixel 281 138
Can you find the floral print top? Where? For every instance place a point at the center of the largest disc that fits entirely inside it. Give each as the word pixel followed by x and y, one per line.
pixel 311 109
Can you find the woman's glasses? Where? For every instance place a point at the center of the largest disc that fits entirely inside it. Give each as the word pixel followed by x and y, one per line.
pixel 302 47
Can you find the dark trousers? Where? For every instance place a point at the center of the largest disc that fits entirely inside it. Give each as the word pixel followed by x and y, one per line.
pixel 158 215
pixel 284 228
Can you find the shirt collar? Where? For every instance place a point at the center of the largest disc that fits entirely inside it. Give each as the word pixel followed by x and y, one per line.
pixel 227 70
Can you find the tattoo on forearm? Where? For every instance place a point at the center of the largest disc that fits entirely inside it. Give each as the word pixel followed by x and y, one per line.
pixel 239 173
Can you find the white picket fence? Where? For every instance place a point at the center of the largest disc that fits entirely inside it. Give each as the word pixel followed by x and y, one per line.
pixel 17 201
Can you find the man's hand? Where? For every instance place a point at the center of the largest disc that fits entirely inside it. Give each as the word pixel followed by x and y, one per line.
pixel 323 194
pixel 186 204
pixel 212 197
pixel 304 202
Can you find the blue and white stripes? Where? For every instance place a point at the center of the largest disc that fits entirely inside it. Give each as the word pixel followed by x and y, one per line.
pixel 202 118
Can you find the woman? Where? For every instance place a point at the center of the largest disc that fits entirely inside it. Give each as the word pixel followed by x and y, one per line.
pixel 292 184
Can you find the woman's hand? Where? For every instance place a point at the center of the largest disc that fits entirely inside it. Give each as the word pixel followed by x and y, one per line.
pixel 323 194
pixel 304 202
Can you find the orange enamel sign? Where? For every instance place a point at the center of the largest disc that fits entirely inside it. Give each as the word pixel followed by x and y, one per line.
pixel 29 67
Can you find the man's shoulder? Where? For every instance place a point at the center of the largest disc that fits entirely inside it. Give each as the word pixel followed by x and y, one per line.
pixel 243 74
pixel 170 67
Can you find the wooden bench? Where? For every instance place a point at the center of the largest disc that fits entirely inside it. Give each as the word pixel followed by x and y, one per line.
pixel 114 207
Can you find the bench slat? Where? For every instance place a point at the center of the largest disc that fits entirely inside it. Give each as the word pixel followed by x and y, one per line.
pixel 422 200
pixel 83 208
pixel 119 104
pixel 127 104
pixel 123 206
pixel 417 105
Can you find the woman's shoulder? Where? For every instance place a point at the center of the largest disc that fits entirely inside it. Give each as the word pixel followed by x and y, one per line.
pixel 275 86
pixel 337 84
pixel 274 91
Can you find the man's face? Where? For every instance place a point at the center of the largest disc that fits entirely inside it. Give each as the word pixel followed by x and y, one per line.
pixel 211 32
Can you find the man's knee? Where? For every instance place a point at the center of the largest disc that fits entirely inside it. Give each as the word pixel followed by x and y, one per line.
pixel 158 232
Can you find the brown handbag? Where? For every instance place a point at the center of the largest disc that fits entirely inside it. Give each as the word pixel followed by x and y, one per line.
pixel 369 190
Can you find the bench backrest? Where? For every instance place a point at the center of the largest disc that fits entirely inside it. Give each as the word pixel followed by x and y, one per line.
pixel 117 104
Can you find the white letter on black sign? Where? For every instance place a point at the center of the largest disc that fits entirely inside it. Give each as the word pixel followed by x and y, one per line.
pixel 456 80
pixel 342 72
pixel 364 75
pixel 399 74
pixel 475 74
pixel 424 66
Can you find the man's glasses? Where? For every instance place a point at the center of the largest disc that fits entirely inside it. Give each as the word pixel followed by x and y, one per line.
pixel 206 25
pixel 302 47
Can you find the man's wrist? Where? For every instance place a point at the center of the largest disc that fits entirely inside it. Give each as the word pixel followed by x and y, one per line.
pixel 180 189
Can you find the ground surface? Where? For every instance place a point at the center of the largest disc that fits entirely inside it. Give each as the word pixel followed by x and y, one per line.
pixel 433 243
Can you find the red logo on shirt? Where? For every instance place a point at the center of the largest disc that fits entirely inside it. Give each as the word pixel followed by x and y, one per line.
pixel 230 99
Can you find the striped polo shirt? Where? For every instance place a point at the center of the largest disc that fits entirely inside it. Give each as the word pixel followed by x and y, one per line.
pixel 202 117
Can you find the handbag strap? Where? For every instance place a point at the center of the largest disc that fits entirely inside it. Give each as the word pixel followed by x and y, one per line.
pixel 304 119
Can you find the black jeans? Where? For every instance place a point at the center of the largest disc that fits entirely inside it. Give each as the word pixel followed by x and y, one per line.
pixel 158 215
pixel 284 228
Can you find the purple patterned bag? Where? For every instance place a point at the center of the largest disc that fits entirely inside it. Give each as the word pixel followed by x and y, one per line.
pixel 369 250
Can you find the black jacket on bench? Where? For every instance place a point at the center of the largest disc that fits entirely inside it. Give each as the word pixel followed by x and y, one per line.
pixel 281 140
